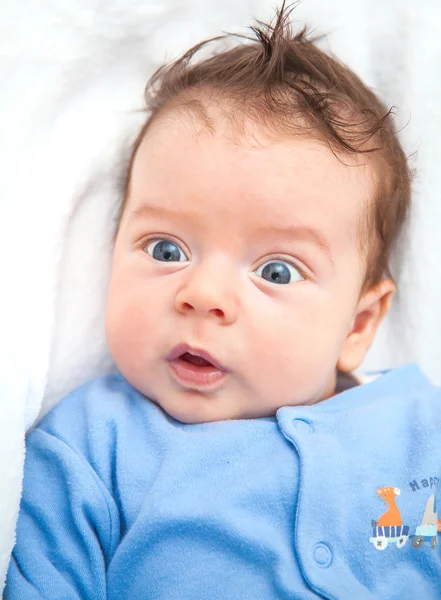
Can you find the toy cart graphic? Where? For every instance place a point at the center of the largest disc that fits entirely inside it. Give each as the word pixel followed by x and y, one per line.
pixel 392 534
pixel 428 530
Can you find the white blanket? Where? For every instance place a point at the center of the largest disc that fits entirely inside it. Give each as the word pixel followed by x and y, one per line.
pixel 72 76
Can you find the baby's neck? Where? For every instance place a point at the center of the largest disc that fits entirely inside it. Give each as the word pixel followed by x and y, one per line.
pixel 345 381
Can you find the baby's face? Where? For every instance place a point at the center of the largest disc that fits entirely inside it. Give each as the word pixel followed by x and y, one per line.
pixel 242 252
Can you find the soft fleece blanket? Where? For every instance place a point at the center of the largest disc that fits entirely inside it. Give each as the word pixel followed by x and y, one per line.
pixel 72 75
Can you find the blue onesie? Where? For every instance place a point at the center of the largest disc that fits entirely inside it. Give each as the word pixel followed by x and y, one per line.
pixel 336 500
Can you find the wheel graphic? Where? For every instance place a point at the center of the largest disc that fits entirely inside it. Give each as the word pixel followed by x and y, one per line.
pixel 380 542
pixel 402 541
pixel 418 541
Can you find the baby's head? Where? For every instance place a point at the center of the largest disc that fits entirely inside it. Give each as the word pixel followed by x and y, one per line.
pixel 251 261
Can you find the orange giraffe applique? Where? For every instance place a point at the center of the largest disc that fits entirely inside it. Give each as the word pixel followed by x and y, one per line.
pixel 392 516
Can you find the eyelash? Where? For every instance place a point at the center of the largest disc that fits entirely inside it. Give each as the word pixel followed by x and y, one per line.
pixel 164 236
pixel 289 261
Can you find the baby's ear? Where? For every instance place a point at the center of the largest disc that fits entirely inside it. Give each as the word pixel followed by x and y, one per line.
pixel 371 309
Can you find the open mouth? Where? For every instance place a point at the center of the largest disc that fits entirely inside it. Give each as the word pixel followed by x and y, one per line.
pixel 195 360
pixel 195 369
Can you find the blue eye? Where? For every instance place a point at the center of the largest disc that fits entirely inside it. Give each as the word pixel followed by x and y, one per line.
pixel 278 271
pixel 165 251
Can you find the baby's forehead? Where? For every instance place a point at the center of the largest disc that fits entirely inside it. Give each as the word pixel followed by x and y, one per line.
pixel 181 132
pixel 184 159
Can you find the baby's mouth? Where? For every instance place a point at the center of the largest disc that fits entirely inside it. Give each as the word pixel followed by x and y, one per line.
pixel 195 360
pixel 198 357
pixel 195 369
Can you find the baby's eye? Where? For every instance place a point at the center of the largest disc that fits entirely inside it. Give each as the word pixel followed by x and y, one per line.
pixel 278 271
pixel 165 251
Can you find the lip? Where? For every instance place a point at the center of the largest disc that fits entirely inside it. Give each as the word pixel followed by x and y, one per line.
pixel 191 376
pixel 181 349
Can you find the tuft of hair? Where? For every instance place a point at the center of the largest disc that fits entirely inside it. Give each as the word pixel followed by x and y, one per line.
pixel 286 82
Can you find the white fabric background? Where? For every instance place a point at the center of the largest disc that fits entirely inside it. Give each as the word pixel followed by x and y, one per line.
pixel 72 76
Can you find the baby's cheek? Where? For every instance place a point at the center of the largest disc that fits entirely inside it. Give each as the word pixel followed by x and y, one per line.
pixel 127 326
pixel 296 338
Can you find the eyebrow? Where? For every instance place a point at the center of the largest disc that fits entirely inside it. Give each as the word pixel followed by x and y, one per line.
pixel 298 232
pixel 145 211
pixel 301 232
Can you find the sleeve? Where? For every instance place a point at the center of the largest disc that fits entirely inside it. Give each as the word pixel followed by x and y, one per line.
pixel 67 528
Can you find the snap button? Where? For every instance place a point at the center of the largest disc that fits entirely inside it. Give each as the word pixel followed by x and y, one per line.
pixel 302 425
pixel 322 555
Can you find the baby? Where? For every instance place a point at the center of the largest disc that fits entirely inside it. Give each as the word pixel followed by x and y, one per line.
pixel 234 455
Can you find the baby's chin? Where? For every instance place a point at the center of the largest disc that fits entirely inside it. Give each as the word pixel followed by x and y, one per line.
pixel 190 415
pixel 192 407
pixel 197 410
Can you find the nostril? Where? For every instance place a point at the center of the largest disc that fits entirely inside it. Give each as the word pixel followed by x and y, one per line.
pixel 217 312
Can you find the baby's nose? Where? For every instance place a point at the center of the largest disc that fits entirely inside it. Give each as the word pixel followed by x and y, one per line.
pixel 209 294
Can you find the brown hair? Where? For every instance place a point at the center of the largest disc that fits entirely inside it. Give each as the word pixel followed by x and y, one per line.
pixel 286 82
